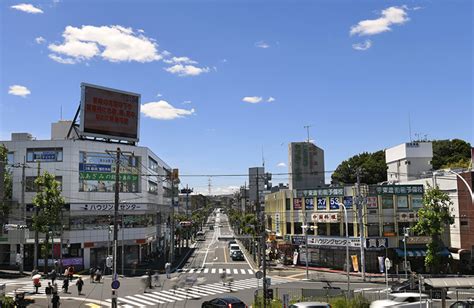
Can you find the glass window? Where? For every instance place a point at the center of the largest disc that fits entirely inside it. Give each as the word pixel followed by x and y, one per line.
pixel 152 188
pixel 322 229
pixel 402 202
pixel 288 228
pixel 387 202
pixel 44 155
pixel 152 164
pixel 389 229
pixel 298 229
pixel 288 204
pixel 416 201
pixel 402 226
pixel 373 230
pixel 30 185
pixel 10 158
pixel 335 229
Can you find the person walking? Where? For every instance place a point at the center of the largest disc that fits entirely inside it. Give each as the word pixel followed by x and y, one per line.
pixel 55 301
pixel 91 273
pixel 148 284
pixel 70 272
pixel 53 276
pixel 55 288
pixel 79 284
pixel 65 285
pixel 168 270
pixel 98 275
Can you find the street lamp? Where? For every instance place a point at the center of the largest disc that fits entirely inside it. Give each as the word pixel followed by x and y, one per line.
pixel 347 248
pixel 306 228
pixel 405 235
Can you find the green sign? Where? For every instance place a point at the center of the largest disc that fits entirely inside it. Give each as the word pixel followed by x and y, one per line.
pixel 396 189
pixel 100 176
pixel 326 192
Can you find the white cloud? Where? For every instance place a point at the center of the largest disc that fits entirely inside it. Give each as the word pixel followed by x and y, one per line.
pixel 390 16
pixel 187 102
pixel 40 40
pixel 271 99
pixel 218 190
pixel 159 95
pixel 61 59
pixel 186 70
pixel 111 43
pixel 19 90
pixel 224 61
pixel 262 44
pixel 28 8
pixel 162 110
pixel 362 46
pixel 184 60
pixel 282 164
pixel 252 99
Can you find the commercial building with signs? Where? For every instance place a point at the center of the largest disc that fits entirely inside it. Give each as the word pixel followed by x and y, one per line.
pixel 386 211
pixel 305 165
pixel 85 170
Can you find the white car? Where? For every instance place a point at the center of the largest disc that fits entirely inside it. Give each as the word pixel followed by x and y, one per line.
pixel 406 300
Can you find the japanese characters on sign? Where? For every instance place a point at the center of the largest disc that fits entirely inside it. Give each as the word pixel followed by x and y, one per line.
pixel 309 203
pixel 298 239
pixel 297 204
pixel 333 241
pixel 334 203
pixel 376 242
pixel 396 189
pixel 109 113
pixel 408 216
pixel 94 168
pixel 372 202
pixel 106 207
pixel 328 192
pixel 348 201
pixel 325 217
pixel 322 203
pixel 277 222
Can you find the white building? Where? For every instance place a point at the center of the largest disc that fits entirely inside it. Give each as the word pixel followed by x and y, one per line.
pixel 87 176
pixel 408 161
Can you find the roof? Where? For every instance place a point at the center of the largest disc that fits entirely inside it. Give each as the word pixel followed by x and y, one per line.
pixel 451 282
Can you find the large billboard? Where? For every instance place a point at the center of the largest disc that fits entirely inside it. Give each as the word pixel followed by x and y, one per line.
pixel 109 113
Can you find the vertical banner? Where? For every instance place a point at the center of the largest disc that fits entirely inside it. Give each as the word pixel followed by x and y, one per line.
pixel 309 204
pixel 334 203
pixel 322 203
pixel 381 264
pixel 355 263
pixel 297 204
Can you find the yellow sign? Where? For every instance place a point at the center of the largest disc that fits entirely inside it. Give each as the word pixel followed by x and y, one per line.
pixel 355 263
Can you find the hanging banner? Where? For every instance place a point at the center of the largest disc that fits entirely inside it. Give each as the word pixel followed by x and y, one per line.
pixel 334 203
pixel 355 263
pixel 309 204
pixel 297 204
pixel 322 203
pixel 372 202
pixel 381 264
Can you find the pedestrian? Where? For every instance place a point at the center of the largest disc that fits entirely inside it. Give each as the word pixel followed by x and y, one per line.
pixel 223 277
pixel 168 270
pixel 65 285
pixel 53 276
pixel 98 275
pixel 36 284
pixel 148 281
pixel 71 272
pixel 66 272
pixel 55 301
pixel 79 284
pixel 55 288
pixel 34 272
pixel 91 273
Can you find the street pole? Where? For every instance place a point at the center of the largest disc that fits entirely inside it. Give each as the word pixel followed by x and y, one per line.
pixel 347 250
pixel 23 183
pixel 123 249
pixel 361 227
pixel 116 207
pixel 35 253
pixel 172 231
pixel 405 231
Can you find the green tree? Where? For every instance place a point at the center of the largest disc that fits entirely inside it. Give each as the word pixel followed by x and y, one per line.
pixel 374 169
pixel 49 202
pixel 454 153
pixel 434 217
pixel 7 186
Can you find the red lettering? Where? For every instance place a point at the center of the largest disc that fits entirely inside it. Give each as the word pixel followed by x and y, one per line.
pixel 94 108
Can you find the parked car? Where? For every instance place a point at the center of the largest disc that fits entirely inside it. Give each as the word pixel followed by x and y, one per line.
pixel 231 242
pixel 463 304
pixel 237 255
pixel 224 302
pixel 310 305
pixel 405 300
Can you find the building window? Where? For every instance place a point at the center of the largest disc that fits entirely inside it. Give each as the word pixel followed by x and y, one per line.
pixel 387 202
pixel 44 155
pixel 402 226
pixel 334 229
pixel 30 185
pixel 402 202
pixel 288 204
pixel 298 228
pixel 464 223
pixel 152 188
pixel 373 230
pixel 389 229
pixel 152 164
pixel 10 158
pixel 288 228
pixel 322 229
pixel 350 227
pixel 416 201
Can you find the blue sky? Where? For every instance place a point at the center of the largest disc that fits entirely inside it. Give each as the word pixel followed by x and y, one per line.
pixel 222 80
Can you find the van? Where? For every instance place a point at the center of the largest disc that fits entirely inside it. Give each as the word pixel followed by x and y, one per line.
pixel 233 247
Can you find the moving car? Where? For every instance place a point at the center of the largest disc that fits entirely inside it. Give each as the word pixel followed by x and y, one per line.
pixel 237 255
pixel 200 236
pixel 233 247
pixel 405 300
pixel 310 305
pixel 463 304
pixel 224 302
pixel 231 242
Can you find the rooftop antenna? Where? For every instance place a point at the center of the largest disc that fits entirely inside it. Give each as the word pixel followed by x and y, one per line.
pixel 263 159
pixel 61 113
pixel 307 131
pixel 209 185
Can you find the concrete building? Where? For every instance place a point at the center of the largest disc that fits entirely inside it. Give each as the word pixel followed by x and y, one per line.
pixel 305 165
pixel 85 172
pixel 408 161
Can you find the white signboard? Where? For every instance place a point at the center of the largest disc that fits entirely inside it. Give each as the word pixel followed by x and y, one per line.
pixel 333 241
pixel 325 217
pixel 108 207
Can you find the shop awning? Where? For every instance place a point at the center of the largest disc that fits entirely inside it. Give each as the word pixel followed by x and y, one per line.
pixel 419 252
pixel 457 282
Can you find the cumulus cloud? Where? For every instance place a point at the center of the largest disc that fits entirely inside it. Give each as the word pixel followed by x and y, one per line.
pixel 362 46
pixel 40 40
pixel 19 90
pixel 262 44
pixel 111 43
pixel 271 99
pixel 186 70
pixel 27 8
pixel 184 60
pixel 252 99
pixel 61 59
pixel 390 16
pixel 162 110
pixel 187 102
pixel 282 164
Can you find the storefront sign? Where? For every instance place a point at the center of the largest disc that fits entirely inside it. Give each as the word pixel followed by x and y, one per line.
pixel 297 204
pixel 309 204
pixel 376 242
pixel 298 239
pixel 348 201
pixel 72 261
pixel 372 202
pixel 396 189
pixel 94 168
pixel 334 203
pixel 414 240
pixel 326 217
pixel 328 192
pixel 333 241
pixel 322 203
pixel 408 217
pixel 106 207
pixel 44 156
pixel 99 176
pixel 355 263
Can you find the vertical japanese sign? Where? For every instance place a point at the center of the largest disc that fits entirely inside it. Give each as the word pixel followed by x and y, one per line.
pixel 297 204
pixel 348 201
pixel 372 202
pixel 322 203
pixel 309 204
pixel 334 203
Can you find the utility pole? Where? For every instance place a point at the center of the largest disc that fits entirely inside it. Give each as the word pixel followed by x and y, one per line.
pixel 361 225
pixel 174 178
pixel 35 253
pixel 23 183
pixel 262 254
pixel 116 206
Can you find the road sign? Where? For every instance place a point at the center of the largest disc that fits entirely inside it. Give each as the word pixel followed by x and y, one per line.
pixel 388 263
pixel 259 274
pixel 268 281
pixel 115 284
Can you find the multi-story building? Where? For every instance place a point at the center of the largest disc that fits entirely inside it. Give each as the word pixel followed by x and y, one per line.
pixel 408 161
pixel 85 170
pixel 305 165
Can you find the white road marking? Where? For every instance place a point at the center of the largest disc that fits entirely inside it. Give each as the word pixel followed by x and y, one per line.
pixel 139 300
pixel 250 271
pixel 149 298
pixel 242 271
pixel 206 270
pixel 236 271
pixel 227 271
pixel 213 271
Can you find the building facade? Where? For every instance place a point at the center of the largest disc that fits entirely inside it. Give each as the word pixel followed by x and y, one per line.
pixel 85 170
pixel 305 165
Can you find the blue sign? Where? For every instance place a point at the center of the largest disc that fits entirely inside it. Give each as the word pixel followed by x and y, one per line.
pixel 348 202
pixel 115 284
pixel 94 168
pixel 334 203
pixel 322 203
pixel 309 204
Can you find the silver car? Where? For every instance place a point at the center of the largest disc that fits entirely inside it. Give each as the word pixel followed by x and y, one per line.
pixel 310 305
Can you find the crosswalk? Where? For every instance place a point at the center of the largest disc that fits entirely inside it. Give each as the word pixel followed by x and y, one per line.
pixel 164 297
pixel 27 288
pixel 229 271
